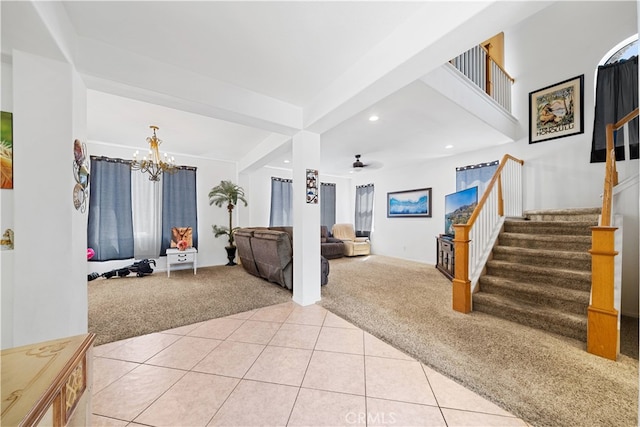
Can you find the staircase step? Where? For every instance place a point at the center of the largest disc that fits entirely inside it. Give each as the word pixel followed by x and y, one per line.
pixel 544 258
pixel 539 274
pixel 544 318
pixel 557 228
pixel 567 278
pixel 564 299
pixel 566 243
pixel 573 214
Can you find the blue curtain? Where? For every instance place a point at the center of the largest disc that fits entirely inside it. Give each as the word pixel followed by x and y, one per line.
pixel 364 209
pixel 110 226
pixel 179 204
pixel 281 202
pixel 475 175
pixel 327 204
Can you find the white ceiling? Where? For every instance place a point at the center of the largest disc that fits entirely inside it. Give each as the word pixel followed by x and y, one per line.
pixel 290 52
pixel 286 50
pixel 114 119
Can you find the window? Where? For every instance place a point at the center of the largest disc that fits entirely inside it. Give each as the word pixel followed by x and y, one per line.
pixel 130 216
pixel 327 204
pixel 146 201
pixel 627 51
pixel 281 202
pixel 364 209
pixel 616 96
pixel 110 226
pixel 179 205
pixel 475 175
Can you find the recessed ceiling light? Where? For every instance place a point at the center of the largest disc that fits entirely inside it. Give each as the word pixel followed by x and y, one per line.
pixel 373 118
pixel 448 146
pixel 287 161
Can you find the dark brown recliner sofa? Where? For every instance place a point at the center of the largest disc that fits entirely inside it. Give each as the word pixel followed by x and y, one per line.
pixel 330 247
pixel 268 253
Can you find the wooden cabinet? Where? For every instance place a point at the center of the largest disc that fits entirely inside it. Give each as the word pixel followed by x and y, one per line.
pixel 48 383
pixel 446 256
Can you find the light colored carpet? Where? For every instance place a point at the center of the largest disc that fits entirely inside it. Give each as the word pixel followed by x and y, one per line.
pixel 124 307
pixel 545 379
pixel 548 380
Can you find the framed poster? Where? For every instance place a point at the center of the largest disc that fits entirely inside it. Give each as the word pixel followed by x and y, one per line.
pixel 6 150
pixel 411 203
pixel 312 186
pixel 557 111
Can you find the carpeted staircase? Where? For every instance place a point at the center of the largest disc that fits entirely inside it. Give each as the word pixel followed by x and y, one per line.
pixel 540 271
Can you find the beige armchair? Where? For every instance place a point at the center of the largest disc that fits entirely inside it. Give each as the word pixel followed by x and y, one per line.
pixel 353 245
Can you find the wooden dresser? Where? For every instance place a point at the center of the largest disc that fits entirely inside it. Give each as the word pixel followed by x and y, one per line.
pixel 48 383
pixel 446 256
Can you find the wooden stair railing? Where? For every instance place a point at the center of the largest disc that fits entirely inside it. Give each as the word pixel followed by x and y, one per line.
pixel 492 201
pixel 603 334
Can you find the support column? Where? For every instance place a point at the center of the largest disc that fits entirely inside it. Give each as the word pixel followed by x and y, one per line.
pixel 50 273
pixel 306 221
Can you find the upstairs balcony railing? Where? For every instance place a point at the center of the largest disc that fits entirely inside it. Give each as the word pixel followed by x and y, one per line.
pixel 478 66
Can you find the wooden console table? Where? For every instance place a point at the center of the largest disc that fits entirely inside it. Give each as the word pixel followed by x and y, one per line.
pixel 175 256
pixel 48 383
pixel 446 256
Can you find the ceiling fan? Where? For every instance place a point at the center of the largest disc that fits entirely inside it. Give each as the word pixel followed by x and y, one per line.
pixel 358 165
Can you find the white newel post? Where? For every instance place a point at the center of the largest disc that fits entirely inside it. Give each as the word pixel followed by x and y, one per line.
pixel 306 221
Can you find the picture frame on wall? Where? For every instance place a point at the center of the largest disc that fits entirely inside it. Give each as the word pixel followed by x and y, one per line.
pixel 6 150
pixel 312 186
pixel 557 111
pixel 410 203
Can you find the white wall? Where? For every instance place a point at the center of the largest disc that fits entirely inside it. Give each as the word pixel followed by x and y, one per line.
pixel 49 290
pixel 627 206
pixel 209 174
pixel 6 221
pixel 345 197
pixel 6 104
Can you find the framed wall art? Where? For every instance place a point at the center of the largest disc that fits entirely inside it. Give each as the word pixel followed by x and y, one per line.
pixel 411 203
pixel 312 186
pixel 6 150
pixel 557 111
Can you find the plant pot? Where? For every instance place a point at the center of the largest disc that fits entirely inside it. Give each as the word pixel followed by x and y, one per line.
pixel 231 254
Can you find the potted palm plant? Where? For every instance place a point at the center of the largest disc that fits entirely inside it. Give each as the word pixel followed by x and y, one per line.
pixel 227 193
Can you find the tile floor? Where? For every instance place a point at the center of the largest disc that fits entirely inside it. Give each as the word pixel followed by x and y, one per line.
pixel 279 365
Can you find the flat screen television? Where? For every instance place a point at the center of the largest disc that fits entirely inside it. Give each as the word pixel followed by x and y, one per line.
pixel 458 208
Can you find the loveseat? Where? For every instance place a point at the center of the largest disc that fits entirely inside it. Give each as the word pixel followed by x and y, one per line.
pixel 353 246
pixel 268 253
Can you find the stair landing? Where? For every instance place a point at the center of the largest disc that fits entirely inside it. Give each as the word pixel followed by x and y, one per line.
pixel 570 214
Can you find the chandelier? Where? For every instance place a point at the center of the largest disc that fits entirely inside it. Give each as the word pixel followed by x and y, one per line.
pixel 154 165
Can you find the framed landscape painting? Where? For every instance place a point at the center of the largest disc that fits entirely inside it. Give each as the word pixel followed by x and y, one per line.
pixel 6 150
pixel 557 110
pixel 411 203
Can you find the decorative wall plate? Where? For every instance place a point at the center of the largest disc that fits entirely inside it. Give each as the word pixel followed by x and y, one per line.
pixel 78 152
pixel 78 196
pixel 81 175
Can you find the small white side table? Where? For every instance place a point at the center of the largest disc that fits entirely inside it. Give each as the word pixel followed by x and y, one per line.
pixel 174 256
